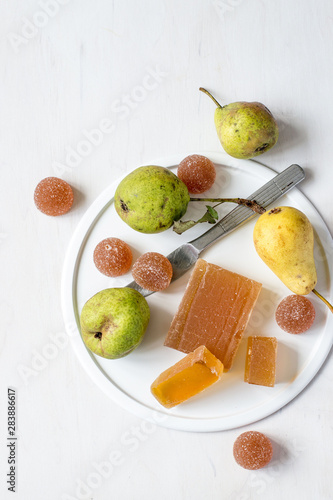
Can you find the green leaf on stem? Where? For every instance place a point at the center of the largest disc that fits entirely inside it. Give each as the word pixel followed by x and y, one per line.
pixel 210 216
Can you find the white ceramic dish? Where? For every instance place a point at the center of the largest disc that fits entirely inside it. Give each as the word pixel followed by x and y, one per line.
pixel 230 403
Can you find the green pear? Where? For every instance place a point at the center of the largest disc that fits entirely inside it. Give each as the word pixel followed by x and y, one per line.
pixel 113 322
pixel 245 129
pixel 151 198
pixel 283 238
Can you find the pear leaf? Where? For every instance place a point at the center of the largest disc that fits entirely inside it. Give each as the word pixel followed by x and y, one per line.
pixel 210 216
pixel 212 212
pixel 180 226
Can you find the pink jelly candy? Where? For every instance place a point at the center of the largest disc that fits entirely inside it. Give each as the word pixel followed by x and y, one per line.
pixel 53 196
pixel 197 172
pixel 295 314
pixel 113 257
pixel 252 450
pixel 152 271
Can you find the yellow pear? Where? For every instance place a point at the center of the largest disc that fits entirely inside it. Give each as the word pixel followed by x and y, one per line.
pixel 283 238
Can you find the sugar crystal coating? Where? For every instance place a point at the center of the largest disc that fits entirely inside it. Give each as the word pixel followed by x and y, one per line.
pixel 113 257
pixel 152 271
pixel 197 172
pixel 53 196
pixel 252 450
pixel 260 364
pixel 295 314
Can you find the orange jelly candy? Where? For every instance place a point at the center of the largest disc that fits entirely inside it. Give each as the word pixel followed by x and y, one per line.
pixel 197 172
pixel 253 450
pixel 214 311
pixel 190 376
pixel 53 196
pixel 260 365
pixel 152 271
pixel 113 257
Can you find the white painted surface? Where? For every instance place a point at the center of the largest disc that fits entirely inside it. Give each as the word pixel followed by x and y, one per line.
pixel 132 69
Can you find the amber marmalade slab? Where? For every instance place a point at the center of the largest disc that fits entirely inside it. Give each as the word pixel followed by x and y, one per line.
pixel 190 376
pixel 260 365
pixel 214 311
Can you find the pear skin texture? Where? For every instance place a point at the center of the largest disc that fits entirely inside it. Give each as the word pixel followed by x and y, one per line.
pixel 283 238
pixel 151 198
pixel 245 129
pixel 113 322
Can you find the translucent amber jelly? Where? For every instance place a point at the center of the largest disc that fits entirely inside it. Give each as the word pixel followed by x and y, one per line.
pixel 214 311
pixel 190 376
pixel 260 365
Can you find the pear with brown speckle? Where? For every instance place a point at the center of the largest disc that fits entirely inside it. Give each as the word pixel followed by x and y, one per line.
pixel 245 129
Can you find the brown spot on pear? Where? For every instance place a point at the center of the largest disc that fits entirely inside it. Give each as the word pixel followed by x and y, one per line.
pixel 245 129
pixel 113 322
pixel 151 198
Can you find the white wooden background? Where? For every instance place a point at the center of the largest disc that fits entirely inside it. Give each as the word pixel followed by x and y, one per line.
pixel 132 70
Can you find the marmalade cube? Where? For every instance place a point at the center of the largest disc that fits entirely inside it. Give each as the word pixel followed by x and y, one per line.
pixel 214 312
pixel 190 376
pixel 260 365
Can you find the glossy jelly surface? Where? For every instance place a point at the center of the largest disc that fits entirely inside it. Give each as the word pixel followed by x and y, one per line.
pixel 190 376
pixel 214 311
pixel 260 365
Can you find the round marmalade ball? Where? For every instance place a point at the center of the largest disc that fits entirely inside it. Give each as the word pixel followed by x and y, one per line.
pixel 113 257
pixel 252 450
pixel 295 314
pixel 53 196
pixel 152 271
pixel 197 172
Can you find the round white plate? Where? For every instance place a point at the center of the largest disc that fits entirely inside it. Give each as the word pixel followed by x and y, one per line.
pixel 231 402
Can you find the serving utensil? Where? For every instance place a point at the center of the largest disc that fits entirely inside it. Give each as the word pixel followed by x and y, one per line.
pixel 185 256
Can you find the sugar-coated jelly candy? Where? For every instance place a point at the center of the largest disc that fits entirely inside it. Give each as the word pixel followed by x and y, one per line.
pixel 53 196
pixel 252 450
pixel 197 172
pixel 260 364
pixel 190 376
pixel 152 271
pixel 113 257
pixel 295 314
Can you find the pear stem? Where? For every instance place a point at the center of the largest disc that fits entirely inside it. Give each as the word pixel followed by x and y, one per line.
pixel 252 204
pixel 323 299
pixel 210 95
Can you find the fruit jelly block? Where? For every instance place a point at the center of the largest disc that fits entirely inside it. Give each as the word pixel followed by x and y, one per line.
pixel 190 376
pixel 214 311
pixel 260 365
